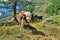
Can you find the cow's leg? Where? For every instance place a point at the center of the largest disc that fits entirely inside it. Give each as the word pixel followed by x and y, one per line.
pixel 33 19
pixel 21 24
pixel 26 20
pixel 41 18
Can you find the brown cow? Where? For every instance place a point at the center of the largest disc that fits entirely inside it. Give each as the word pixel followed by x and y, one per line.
pixel 22 16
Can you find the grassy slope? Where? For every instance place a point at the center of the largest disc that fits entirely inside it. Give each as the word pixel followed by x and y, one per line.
pixel 13 32
pixel 40 31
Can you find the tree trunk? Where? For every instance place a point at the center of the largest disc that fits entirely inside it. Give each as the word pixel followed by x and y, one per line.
pixel 14 7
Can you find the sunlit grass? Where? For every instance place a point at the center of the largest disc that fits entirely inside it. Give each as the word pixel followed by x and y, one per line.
pixel 13 32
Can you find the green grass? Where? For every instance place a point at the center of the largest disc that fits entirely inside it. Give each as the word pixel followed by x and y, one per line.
pixel 14 32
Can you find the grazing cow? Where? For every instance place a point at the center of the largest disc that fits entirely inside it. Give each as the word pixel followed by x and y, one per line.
pixel 36 17
pixel 28 16
pixel 32 17
pixel 39 16
pixel 23 15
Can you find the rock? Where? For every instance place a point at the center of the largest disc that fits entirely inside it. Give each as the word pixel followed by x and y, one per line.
pixel 51 21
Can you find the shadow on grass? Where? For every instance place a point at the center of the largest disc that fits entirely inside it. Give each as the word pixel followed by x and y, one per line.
pixel 8 24
pixel 12 23
pixel 34 30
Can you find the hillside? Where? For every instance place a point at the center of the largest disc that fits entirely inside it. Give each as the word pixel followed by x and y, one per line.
pixel 34 31
pixel 47 29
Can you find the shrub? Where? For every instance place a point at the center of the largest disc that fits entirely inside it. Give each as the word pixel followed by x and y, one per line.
pixel 29 8
pixel 53 8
